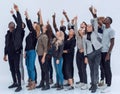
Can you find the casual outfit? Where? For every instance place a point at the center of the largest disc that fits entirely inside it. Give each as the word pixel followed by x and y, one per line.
pixel 31 41
pixel 57 55
pixel 21 55
pixel 108 34
pixel 42 48
pixel 13 46
pixel 92 50
pixel 80 59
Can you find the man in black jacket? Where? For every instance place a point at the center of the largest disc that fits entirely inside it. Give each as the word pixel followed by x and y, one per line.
pixel 21 55
pixel 13 46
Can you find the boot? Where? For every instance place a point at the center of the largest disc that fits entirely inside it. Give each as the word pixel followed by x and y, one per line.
pixel 94 88
pixel 55 85
pixel 29 83
pixel 40 85
pixel 60 87
pixel 32 86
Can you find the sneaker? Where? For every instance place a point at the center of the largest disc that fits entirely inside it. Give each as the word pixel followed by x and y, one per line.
pixel 84 87
pixel 101 83
pixel 106 90
pixel 81 84
pixel 18 89
pixel 13 85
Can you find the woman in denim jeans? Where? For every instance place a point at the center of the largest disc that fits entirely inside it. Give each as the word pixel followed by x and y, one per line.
pixel 30 53
pixel 57 49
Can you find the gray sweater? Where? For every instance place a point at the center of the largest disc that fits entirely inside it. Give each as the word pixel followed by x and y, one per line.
pixel 87 44
pixel 79 40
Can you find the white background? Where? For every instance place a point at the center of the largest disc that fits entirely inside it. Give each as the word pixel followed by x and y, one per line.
pixel 73 7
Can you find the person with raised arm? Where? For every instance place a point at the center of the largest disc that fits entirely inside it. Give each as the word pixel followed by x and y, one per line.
pixel 21 55
pixel 81 65
pixel 92 50
pixel 13 46
pixel 30 53
pixel 42 51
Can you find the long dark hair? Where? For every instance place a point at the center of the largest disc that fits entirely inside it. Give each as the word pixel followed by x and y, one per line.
pixel 50 35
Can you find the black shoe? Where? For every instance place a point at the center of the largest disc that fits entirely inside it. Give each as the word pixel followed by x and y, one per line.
pixel 18 89
pixel 91 87
pixel 71 88
pixel 78 82
pixel 40 85
pixel 67 85
pixel 45 88
pixel 55 86
pixel 13 85
pixel 94 89
pixel 60 87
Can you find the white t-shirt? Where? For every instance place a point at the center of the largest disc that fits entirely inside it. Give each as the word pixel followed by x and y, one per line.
pixel 108 34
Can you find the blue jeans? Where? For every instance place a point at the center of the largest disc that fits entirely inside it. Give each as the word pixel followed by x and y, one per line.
pixel 30 63
pixel 58 69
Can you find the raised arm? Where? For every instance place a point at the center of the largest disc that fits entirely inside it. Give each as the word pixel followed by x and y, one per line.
pixel 40 20
pixel 18 19
pixel 75 26
pixel 14 17
pixel 94 21
pixel 28 21
pixel 66 16
pixel 54 23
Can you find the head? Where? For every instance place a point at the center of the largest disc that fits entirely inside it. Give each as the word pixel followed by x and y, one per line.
pixel 83 25
pixel 23 25
pixel 60 35
pixel 108 21
pixel 11 26
pixel 44 28
pixel 71 33
pixel 90 28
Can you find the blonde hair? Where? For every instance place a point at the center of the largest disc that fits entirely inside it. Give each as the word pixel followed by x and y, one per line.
pixel 58 41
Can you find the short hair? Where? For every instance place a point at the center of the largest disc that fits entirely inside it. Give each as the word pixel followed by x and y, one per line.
pixel 11 23
pixel 110 19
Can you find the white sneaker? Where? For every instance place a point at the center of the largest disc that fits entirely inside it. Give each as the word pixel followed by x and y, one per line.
pixel 81 84
pixel 84 87
pixel 106 90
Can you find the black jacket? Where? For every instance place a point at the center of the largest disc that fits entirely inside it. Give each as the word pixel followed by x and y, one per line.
pixel 31 39
pixel 17 37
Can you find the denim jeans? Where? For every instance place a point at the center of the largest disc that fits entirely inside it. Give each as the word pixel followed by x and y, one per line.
pixel 30 63
pixel 58 69
pixel 94 61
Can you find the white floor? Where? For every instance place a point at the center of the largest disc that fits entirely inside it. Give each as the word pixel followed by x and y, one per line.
pixel 5 82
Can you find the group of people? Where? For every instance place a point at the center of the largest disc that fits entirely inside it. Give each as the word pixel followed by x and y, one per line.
pixel 94 43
